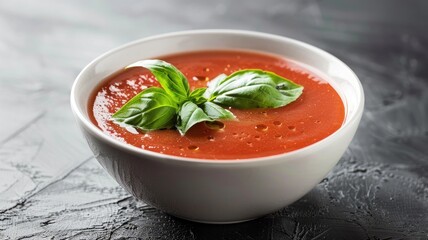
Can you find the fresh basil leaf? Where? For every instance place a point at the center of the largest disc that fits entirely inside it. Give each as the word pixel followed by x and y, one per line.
pixel 212 85
pixel 169 77
pixel 197 96
pixel 255 89
pixel 189 115
pixel 215 111
pixel 151 109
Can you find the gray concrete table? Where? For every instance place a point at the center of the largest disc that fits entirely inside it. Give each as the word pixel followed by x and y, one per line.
pixel 51 186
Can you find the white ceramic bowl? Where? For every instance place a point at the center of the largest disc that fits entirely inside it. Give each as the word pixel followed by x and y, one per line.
pixel 213 191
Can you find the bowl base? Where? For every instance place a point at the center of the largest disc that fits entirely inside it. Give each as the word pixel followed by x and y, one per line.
pixel 215 222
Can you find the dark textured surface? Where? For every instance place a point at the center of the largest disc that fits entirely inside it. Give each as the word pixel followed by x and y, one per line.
pixel 51 187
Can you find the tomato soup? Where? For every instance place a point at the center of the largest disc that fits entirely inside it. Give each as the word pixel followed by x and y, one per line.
pixel 316 114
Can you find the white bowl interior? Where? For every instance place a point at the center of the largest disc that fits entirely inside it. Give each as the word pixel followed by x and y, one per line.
pixel 339 75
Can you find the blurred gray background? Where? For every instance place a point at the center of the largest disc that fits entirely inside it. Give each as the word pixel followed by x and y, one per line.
pixel 52 187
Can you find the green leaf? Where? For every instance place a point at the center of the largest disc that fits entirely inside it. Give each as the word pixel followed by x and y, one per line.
pixel 189 115
pixel 215 111
pixel 151 109
pixel 197 96
pixel 169 77
pixel 255 89
pixel 212 85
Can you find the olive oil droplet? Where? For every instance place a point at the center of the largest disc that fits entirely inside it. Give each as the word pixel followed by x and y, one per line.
pixel 216 125
pixel 193 147
pixel 277 123
pixel 200 78
pixel 261 127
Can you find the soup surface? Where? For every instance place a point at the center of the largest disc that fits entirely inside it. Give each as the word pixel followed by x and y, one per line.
pixel 317 113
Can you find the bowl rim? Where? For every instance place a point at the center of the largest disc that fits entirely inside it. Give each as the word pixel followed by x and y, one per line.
pixel 349 120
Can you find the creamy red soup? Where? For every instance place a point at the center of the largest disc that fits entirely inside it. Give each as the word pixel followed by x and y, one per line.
pixel 316 114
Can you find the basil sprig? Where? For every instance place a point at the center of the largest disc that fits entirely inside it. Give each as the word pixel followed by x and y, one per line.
pixel 174 105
